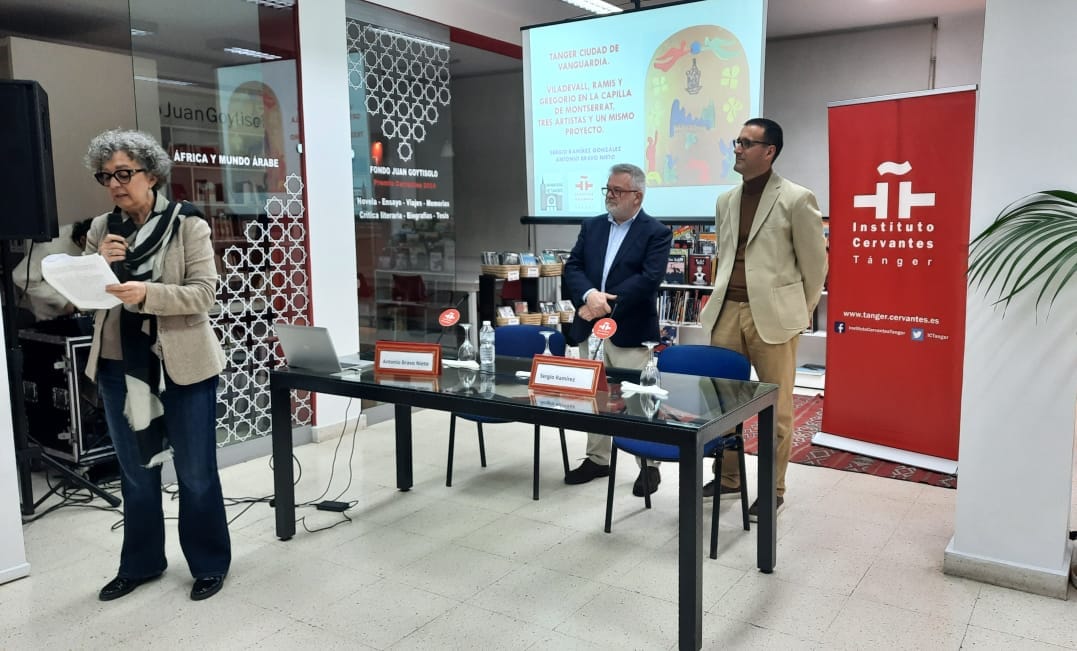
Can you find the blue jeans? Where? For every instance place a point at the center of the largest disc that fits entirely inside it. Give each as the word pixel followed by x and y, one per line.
pixel 190 419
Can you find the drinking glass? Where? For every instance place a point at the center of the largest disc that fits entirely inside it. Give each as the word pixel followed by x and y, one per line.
pixel 649 376
pixel 466 352
pixel 547 334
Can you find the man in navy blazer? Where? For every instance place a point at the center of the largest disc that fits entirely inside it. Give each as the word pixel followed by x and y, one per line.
pixel 615 269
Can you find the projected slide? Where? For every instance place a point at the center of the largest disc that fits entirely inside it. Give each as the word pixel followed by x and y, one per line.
pixel 666 89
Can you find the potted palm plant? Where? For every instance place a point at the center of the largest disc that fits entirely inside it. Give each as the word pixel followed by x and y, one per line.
pixel 1032 242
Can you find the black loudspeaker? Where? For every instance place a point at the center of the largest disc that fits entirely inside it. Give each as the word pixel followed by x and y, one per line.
pixel 28 206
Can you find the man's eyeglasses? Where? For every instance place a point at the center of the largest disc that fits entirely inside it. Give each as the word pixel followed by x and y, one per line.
pixel 123 176
pixel 745 143
pixel 616 192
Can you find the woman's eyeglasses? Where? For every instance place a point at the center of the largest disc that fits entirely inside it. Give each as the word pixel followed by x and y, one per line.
pixel 123 176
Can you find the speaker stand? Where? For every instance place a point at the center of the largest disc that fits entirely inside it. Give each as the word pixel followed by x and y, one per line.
pixel 24 452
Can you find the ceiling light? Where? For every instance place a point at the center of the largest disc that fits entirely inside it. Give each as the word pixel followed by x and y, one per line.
pixel 275 4
pixel 143 28
pixel 595 6
pixel 167 82
pixel 408 37
pixel 257 54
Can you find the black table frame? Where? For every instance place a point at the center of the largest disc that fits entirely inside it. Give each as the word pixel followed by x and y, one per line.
pixel 690 509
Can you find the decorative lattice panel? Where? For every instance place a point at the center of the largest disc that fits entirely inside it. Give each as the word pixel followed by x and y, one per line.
pixel 263 279
pixel 405 80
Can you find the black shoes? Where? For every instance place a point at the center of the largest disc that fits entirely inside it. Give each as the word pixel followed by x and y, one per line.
pixel 647 484
pixel 587 471
pixel 726 491
pixel 121 586
pixel 753 510
pixel 206 587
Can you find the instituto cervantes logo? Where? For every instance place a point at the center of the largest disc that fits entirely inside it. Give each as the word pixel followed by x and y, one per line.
pixel 886 241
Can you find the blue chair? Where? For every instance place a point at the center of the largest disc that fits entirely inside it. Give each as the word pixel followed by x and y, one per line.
pixel 513 341
pixel 709 361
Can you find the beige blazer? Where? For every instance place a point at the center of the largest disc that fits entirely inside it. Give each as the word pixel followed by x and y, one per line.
pixel 785 258
pixel 181 300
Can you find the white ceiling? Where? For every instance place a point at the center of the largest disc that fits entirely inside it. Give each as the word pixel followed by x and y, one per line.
pixel 103 23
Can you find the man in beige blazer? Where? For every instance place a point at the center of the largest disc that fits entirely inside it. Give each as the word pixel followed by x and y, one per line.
pixel 770 272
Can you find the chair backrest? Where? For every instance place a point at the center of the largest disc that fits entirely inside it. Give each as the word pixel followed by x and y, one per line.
pixel 525 341
pixel 710 361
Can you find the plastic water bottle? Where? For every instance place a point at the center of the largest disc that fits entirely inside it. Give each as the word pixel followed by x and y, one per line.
pixel 594 348
pixel 486 348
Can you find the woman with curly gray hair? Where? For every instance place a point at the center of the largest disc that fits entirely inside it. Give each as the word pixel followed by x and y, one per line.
pixel 156 361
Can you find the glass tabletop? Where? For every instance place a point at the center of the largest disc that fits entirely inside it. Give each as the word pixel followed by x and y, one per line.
pixel 693 401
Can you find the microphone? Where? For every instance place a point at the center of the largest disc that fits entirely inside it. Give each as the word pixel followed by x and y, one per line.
pixel 116 226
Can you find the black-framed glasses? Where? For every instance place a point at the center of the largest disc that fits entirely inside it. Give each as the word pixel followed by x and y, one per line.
pixel 123 176
pixel 616 192
pixel 745 143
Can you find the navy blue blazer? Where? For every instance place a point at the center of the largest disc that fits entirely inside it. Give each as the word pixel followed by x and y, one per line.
pixel 635 276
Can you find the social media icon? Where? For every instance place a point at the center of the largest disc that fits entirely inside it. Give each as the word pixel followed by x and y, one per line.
pixel 839 327
pixel 917 334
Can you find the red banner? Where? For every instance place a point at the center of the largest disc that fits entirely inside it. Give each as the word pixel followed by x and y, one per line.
pixel 900 191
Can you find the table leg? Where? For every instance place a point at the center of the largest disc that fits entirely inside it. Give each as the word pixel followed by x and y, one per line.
pixel 403 447
pixel 280 400
pixel 690 550
pixel 767 540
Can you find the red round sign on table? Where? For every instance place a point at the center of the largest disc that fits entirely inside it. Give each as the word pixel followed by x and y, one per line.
pixel 604 328
pixel 449 317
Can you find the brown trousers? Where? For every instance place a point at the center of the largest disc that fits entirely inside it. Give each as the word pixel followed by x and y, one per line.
pixel 774 364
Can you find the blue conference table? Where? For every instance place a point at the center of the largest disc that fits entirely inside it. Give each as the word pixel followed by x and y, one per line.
pixel 698 410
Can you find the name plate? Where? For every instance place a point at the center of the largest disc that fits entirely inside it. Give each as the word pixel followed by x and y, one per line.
pixel 512 275
pixel 552 319
pixel 529 272
pixel 564 403
pixel 405 358
pixel 564 375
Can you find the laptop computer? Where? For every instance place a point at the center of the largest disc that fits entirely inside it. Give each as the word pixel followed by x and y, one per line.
pixel 310 348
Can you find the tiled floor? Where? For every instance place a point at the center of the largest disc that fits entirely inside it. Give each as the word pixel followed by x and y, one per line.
pixel 482 566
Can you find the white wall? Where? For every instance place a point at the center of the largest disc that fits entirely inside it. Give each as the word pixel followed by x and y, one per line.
pixel 89 91
pixel 327 160
pixel 1020 375
pixel 958 50
pixel 12 550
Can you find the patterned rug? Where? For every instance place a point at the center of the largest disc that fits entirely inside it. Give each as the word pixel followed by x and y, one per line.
pixel 807 417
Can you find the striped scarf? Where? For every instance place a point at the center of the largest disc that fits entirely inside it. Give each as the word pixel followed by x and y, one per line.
pixel 143 371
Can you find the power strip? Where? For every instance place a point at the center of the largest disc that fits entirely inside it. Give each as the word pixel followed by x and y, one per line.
pixel 330 505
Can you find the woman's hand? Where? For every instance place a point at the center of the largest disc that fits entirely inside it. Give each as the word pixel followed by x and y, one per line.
pixel 131 292
pixel 113 248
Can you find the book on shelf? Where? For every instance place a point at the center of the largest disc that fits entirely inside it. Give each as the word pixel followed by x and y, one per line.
pixel 708 243
pixel 700 269
pixel 668 335
pixel 677 265
pixel 681 305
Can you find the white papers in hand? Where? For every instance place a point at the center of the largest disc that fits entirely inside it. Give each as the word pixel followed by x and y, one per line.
pixel 81 279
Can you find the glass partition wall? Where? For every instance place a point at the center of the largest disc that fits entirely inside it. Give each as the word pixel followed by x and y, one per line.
pixel 216 82
pixel 402 162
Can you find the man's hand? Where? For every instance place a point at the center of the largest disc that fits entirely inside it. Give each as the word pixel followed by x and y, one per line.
pixel 132 292
pixel 597 305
